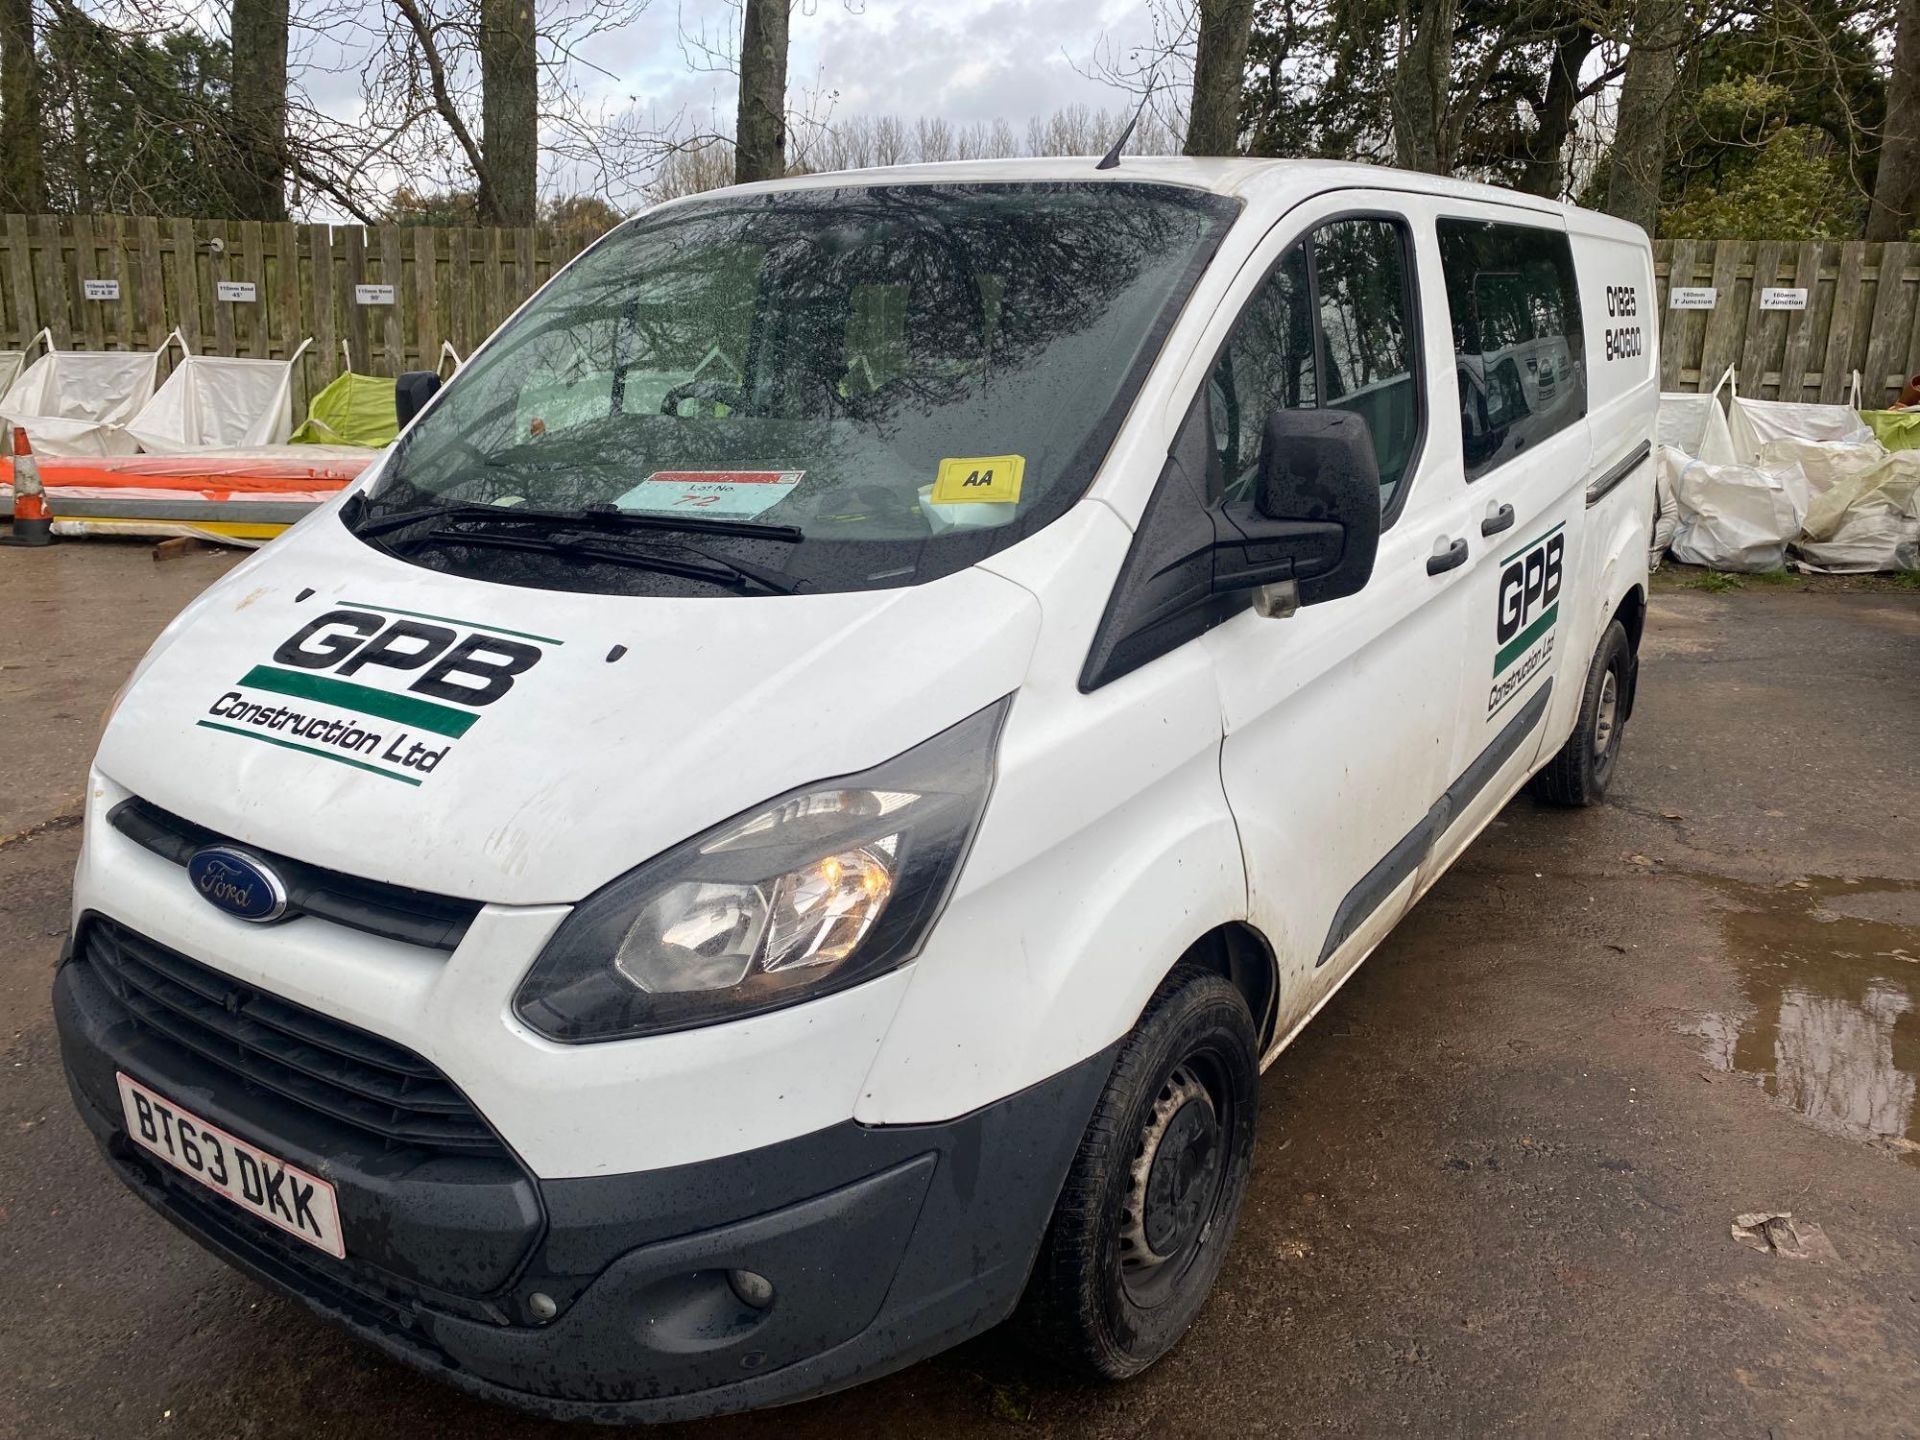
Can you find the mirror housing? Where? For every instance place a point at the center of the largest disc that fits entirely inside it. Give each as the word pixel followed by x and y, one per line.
pixel 412 391
pixel 1315 517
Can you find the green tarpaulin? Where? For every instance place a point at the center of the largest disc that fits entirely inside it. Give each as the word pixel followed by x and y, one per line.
pixel 353 410
pixel 1896 429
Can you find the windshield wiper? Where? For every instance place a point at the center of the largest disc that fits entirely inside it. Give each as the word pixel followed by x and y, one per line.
pixel 603 517
pixel 721 570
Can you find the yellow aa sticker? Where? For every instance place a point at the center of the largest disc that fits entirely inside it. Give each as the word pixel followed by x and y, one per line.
pixel 979 480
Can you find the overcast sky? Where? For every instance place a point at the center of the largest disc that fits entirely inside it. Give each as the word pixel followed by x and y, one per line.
pixel 963 60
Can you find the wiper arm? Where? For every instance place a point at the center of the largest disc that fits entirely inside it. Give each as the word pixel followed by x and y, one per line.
pixel 714 569
pixel 604 517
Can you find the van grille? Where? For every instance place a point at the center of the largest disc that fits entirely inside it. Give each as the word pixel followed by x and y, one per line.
pixel 343 1074
pixel 416 917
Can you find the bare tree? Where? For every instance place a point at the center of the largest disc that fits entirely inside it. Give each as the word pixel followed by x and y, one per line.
pixel 863 142
pixel 259 41
pixel 1420 91
pixel 22 137
pixel 760 129
pixel 1219 72
pixel 1896 191
pixel 1645 116
pixel 1545 172
pixel 509 111
pixel 431 125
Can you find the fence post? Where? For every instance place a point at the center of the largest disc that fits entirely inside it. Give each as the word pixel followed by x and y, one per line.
pixel 1886 339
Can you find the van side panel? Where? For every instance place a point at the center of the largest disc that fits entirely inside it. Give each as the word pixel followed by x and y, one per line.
pixel 1614 261
pixel 1107 849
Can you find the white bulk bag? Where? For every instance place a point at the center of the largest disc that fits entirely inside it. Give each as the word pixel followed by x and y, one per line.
pixel 1825 463
pixel 1867 519
pixel 76 402
pixel 1755 422
pixel 1696 425
pixel 1737 517
pixel 11 362
pixel 1668 462
pixel 219 402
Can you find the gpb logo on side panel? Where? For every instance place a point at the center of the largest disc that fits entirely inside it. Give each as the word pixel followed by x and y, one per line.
pixel 1528 607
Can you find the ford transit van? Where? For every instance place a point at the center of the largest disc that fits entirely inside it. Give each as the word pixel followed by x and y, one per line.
pixel 779 825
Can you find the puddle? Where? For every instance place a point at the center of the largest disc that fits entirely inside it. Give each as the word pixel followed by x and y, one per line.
pixel 1830 976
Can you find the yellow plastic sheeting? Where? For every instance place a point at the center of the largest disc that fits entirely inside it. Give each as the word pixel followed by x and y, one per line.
pixel 1895 429
pixel 353 410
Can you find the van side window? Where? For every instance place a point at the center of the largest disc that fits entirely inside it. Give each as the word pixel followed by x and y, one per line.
pixel 1360 275
pixel 1331 325
pixel 1266 365
pixel 1517 338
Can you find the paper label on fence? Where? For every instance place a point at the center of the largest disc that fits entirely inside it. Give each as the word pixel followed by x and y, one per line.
pixel 728 494
pixel 979 480
pixel 234 291
pixel 101 289
pixel 1781 297
pixel 1692 297
pixel 373 295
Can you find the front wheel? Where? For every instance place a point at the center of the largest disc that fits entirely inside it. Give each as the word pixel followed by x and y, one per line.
pixel 1579 774
pixel 1150 1201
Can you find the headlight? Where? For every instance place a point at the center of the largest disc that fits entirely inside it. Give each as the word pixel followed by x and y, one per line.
pixel 818 890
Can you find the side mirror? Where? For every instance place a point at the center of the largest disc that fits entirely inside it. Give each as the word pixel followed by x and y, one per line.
pixel 1315 518
pixel 412 391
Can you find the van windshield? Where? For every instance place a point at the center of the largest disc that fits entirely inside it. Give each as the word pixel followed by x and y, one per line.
pixel 856 387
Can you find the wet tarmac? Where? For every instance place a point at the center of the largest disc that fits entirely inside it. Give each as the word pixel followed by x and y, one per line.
pixel 1496 1181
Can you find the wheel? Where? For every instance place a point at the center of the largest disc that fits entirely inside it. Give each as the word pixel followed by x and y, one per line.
pixel 1150 1200
pixel 1578 775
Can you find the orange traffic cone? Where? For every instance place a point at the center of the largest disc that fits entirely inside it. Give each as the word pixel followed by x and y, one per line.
pixel 32 521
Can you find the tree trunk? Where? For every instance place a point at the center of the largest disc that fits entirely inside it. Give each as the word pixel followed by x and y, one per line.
pixel 1646 113
pixel 259 108
pixel 1219 74
pixel 23 185
pixel 1545 172
pixel 1896 190
pixel 509 112
pixel 1417 92
pixel 760 126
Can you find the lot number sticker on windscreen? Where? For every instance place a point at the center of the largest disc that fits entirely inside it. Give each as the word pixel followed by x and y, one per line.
pixel 729 494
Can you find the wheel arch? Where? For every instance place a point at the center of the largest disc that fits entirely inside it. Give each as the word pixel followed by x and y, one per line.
pixel 1631 612
pixel 1240 954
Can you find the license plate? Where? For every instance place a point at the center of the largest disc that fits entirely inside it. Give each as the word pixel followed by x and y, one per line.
pixel 283 1195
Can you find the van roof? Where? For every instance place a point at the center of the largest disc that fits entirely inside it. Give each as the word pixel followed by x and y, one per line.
pixel 1253 180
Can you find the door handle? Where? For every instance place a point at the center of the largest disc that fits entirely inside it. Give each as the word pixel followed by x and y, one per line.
pixel 1497 520
pixel 1443 560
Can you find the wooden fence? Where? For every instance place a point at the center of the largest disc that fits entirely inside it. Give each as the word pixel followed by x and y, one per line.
pixel 1859 313
pixel 248 288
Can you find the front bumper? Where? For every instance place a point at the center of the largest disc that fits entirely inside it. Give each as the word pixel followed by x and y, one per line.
pixel 883 1244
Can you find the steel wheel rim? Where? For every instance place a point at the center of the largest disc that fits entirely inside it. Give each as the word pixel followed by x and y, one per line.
pixel 1175 1183
pixel 1606 717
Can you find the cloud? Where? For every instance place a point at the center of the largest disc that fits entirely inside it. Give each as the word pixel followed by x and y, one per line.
pixel 960 60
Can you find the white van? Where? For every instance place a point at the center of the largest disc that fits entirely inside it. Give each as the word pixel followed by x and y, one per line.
pixel 783 821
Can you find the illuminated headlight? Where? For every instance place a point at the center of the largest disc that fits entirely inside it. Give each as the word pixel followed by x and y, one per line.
pixel 819 890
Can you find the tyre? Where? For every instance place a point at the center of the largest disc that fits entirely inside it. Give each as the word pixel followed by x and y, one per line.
pixel 1578 775
pixel 1149 1204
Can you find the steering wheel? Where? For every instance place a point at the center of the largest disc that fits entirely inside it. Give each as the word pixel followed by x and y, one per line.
pixel 713 392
